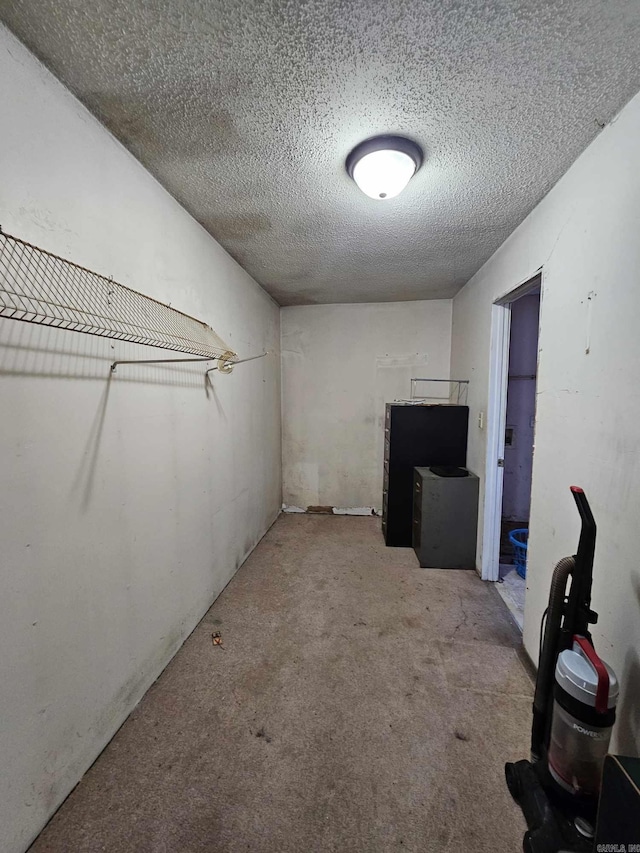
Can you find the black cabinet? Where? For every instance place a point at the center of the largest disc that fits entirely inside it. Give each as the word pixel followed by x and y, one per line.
pixel 416 436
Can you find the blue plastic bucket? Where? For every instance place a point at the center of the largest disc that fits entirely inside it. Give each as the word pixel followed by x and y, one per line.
pixel 519 539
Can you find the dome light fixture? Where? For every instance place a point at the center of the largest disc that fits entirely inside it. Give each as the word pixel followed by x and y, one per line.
pixel 383 165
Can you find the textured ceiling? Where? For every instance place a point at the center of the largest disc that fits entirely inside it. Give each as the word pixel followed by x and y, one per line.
pixel 245 111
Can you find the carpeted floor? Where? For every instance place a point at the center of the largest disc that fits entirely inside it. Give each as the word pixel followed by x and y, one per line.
pixel 358 703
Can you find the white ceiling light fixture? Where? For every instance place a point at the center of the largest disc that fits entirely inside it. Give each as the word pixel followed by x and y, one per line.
pixel 383 166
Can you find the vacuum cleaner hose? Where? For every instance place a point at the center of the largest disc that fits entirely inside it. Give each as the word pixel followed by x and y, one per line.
pixel 546 664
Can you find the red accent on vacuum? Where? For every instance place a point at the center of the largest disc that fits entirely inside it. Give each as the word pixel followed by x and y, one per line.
pixel 602 690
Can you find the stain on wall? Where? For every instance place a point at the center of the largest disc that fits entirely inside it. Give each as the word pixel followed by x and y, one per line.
pixel 340 365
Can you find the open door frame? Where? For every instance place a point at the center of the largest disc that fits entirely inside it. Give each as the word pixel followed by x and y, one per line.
pixel 496 424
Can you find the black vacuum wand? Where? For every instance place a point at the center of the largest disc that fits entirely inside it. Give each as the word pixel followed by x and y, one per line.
pixel 579 614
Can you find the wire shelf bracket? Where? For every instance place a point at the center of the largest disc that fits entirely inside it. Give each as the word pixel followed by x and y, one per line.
pixel 226 362
pixel 39 287
pixel 457 391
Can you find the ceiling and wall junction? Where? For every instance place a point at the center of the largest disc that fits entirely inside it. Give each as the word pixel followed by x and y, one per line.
pixel 246 111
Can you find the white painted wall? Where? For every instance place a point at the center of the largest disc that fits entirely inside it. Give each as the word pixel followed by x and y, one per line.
pixel 584 235
pixel 125 507
pixel 340 365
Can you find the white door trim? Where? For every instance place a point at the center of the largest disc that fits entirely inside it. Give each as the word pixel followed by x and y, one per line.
pixel 496 423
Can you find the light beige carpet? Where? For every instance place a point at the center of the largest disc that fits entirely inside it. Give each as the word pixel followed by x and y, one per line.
pixel 357 703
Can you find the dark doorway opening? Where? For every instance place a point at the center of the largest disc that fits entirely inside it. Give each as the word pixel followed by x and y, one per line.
pixel 519 447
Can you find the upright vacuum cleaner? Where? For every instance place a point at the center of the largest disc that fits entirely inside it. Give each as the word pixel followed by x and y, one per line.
pixel 574 711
